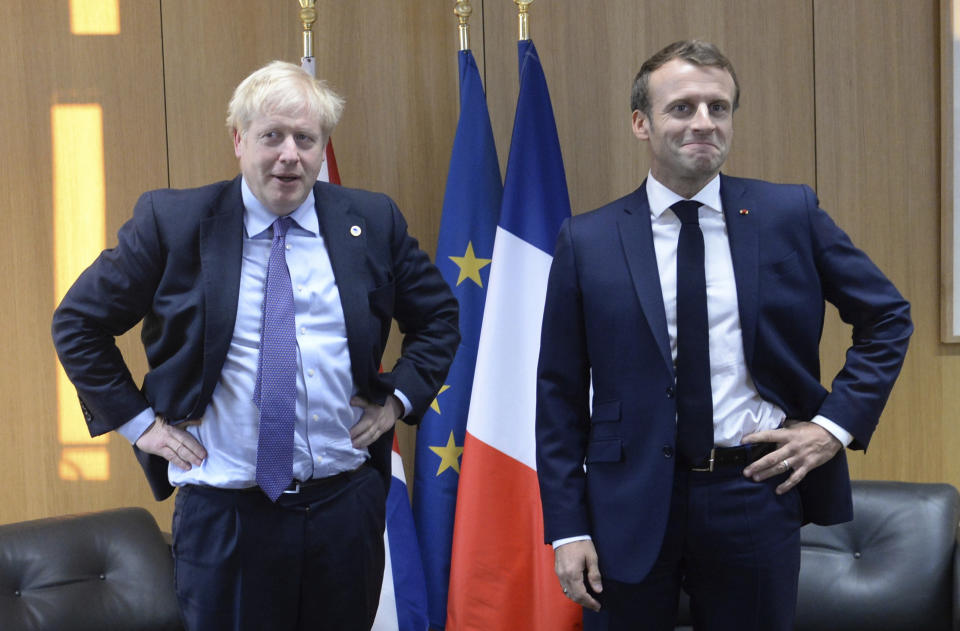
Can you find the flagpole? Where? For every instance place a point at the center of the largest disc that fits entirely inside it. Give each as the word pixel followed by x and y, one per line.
pixel 523 18
pixel 308 15
pixel 463 11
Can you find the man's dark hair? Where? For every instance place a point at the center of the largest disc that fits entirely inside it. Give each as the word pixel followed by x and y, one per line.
pixel 695 51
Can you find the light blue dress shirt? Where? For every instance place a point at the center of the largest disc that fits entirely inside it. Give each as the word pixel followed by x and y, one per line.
pixel 229 427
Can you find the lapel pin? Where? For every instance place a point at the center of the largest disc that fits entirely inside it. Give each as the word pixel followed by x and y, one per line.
pixel 744 211
pixel 355 231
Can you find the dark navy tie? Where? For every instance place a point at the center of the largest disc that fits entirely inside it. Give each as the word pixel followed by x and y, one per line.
pixel 694 399
pixel 276 390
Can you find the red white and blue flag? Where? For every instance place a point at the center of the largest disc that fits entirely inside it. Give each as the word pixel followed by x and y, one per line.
pixel 403 595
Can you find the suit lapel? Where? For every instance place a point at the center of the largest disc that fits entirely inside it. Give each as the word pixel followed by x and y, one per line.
pixel 743 233
pixel 221 254
pixel 345 234
pixel 636 237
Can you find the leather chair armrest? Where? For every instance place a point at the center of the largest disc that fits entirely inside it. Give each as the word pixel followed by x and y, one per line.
pixel 956 582
pixel 106 570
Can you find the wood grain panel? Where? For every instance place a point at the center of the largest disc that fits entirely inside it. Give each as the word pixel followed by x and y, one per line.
pixel 948 141
pixel 590 57
pixel 44 65
pixel 839 95
pixel 877 167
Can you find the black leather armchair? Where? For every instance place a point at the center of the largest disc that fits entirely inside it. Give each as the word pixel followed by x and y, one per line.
pixel 97 572
pixel 895 567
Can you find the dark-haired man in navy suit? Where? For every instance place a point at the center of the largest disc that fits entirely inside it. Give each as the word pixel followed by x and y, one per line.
pixel 280 448
pixel 694 308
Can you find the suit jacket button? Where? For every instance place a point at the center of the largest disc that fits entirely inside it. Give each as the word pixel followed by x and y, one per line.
pixel 667 451
pixel 669 392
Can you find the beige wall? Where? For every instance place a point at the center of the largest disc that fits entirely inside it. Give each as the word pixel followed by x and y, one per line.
pixel 841 95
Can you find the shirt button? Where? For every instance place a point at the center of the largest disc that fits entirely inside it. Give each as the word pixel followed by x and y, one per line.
pixel 319 459
pixel 310 372
pixel 669 392
pixel 316 417
pixel 287 247
pixel 667 451
pixel 300 288
pixel 303 330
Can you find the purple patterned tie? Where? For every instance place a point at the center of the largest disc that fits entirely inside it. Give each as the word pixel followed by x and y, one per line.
pixel 276 389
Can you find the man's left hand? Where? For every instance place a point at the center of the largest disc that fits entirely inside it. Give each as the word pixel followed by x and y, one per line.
pixel 375 421
pixel 803 446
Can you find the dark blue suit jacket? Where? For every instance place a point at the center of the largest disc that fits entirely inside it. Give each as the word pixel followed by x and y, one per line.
pixel 177 267
pixel 604 313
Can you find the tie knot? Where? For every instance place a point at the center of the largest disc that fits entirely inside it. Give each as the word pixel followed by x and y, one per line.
pixel 280 227
pixel 687 211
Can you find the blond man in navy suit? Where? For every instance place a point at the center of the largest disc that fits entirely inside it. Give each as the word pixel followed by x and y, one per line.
pixel 191 265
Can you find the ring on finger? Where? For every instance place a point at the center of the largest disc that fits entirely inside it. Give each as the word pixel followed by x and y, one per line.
pixel 785 465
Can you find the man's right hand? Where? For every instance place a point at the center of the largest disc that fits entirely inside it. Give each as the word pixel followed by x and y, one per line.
pixel 572 561
pixel 174 444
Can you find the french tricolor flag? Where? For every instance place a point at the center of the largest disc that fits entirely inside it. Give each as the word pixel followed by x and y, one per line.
pixel 502 576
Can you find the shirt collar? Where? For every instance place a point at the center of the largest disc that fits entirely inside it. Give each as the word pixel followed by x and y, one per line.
pixel 257 218
pixel 661 198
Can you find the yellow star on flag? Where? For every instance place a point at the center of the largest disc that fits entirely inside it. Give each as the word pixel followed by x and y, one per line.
pixel 470 265
pixel 449 455
pixel 434 405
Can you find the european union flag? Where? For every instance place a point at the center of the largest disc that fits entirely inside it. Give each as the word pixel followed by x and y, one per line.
pixel 471 208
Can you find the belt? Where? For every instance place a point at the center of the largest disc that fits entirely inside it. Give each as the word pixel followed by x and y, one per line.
pixel 296 487
pixel 739 456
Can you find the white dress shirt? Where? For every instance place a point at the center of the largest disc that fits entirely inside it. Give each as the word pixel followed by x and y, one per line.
pixel 738 409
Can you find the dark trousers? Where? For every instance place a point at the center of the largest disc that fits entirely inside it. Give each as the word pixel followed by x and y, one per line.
pixel 734 546
pixel 310 561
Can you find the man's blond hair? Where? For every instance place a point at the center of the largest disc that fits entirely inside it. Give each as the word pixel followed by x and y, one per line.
pixel 284 88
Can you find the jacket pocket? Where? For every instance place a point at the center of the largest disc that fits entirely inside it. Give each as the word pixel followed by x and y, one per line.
pixel 605 421
pixel 784 267
pixel 604 450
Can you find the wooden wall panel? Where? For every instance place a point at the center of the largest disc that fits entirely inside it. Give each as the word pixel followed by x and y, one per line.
pixel 878 173
pixel 45 65
pixel 591 55
pixel 842 96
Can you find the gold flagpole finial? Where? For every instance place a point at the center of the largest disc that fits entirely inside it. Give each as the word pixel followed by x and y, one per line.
pixel 308 15
pixel 523 18
pixel 463 10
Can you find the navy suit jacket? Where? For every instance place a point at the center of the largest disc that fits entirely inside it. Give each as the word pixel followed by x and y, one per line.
pixel 604 316
pixel 176 266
